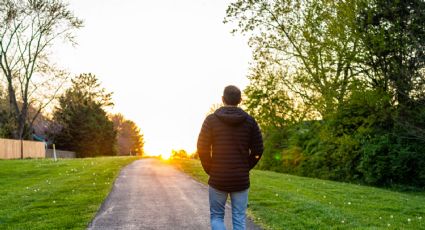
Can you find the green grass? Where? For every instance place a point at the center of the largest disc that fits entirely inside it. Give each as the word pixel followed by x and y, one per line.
pixel 43 194
pixel 281 201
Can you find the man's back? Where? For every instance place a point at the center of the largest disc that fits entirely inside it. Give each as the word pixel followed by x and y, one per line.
pixel 229 145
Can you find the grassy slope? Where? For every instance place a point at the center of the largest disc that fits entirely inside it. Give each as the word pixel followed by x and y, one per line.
pixel 43 194
pixel 281 201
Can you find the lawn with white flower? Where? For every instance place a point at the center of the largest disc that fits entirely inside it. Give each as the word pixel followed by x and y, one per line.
pixel 282 201
pixel 43 194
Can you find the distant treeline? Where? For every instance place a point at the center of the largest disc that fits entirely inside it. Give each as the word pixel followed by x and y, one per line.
pixel 80 123
pixel 338 87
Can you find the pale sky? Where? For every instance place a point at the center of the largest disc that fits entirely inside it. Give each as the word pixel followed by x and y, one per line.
pixel 166 61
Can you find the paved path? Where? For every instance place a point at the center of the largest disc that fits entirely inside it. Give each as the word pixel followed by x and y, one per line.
pixel 151 195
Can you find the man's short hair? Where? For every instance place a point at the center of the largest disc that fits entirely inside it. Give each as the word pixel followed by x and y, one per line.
pixel 232 95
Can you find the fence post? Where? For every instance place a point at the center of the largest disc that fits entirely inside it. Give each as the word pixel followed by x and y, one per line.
pixel 54 152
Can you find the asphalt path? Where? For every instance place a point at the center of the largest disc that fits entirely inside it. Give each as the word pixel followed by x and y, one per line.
pixel 149 194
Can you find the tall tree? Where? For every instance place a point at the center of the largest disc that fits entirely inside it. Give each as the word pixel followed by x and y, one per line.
pixel 393 32
pixel 314 41
pixel 28 29
pixel 129 138
pixel 84 124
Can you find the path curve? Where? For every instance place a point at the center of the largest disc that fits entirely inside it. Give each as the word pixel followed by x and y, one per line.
pixel 149 194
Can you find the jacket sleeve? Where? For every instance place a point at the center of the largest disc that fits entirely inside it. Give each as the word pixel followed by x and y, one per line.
pixel 204 146
pixel 256 146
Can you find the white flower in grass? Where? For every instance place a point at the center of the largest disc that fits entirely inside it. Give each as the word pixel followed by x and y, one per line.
pixel 391 216
pixel 420 217
pixel 73 190
pixel 28 188
pixel 277 194
pixel 380 218
pixel 408 219
pixel 342 221
pixel 349 203
pixel 54 202
pixel 388 225
pixel 324 197
pixel 330 202
pixel 94 184
pixel 35 190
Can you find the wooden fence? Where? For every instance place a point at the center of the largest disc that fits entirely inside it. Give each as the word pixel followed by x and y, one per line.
pixel 11 149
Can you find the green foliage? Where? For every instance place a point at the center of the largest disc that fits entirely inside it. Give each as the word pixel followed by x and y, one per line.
pixel 84 124
pixel 6 125
pixel 181 154
pixel 265 99
pixel 314 42
pixel 396 155
pixel 338 87
pixel 394 36
pixel 272 156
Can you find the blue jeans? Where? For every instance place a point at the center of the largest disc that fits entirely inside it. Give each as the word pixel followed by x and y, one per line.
pixel 218 203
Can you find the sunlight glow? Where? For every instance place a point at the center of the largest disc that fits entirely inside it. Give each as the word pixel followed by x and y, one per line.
pixel 166 62
pixel 166 156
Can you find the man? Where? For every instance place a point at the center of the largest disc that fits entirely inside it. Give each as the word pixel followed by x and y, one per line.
pixel 229 146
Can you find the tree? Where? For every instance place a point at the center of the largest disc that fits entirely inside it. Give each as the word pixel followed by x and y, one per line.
pixel 129 139
pixel 180 154
pixel 27 30
pixel 394 36
pixel 84 124
pixel 6 123
pixel 360 64
pixel 269 102
pixel 315 42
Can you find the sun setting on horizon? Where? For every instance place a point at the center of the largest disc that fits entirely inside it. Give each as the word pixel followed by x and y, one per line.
pixel 166 62
pixel 165 155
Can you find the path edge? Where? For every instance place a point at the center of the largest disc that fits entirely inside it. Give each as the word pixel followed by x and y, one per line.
pixel 101 208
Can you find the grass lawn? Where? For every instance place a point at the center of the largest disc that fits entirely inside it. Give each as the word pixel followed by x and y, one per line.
pixel 281 201
pixel 43 194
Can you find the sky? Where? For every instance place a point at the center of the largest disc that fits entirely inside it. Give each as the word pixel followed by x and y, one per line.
pixel 166 62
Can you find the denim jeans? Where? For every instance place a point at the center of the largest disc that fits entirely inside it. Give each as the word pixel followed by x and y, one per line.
pixel 218 203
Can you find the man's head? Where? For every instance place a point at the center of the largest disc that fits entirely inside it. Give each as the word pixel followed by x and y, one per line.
pixel 231 95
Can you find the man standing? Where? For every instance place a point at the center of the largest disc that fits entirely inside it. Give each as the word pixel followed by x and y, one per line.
pixel 229 146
